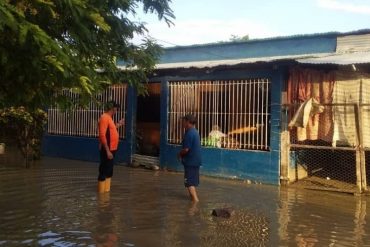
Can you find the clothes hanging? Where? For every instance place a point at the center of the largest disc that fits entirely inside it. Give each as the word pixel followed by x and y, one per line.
pixel 306 110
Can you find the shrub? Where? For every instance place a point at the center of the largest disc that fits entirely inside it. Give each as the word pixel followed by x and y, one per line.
pixel 25 127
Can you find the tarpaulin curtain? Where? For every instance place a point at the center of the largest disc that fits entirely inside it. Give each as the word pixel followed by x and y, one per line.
pixel 351 89
pixel 304 84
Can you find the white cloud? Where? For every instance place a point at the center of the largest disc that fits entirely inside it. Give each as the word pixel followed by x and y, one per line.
pixel 206 31
pixel 344 6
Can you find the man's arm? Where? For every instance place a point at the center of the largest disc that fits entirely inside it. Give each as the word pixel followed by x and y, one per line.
pixel 109 153
pixel 183 152
pixel 120 123
pixel 185 147
pixel 103 127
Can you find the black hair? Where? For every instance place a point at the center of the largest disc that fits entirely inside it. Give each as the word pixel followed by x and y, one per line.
pixel 190 118
pixel 111 104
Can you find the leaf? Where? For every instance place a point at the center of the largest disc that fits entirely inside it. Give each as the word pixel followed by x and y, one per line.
pixel 53 60
pixel 99 21
pixel 47 45
pixel 23 31
pixel 86 84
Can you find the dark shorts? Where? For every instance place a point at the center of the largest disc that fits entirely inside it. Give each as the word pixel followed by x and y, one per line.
pixel 106 166
pixel 191 176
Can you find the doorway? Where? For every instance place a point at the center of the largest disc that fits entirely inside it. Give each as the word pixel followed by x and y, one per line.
pixel 148 122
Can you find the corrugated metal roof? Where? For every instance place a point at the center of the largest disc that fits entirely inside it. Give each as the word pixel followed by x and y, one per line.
pixel 229 62
pixel 319 58
pixel 341 59
pixel 351 49
pixel 296 36
pixel 353 43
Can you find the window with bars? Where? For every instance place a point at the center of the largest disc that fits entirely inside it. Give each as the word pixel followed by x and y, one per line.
pixel 84 121
pixel 232 114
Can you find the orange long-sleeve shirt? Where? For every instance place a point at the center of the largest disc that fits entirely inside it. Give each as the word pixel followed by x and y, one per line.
pixel 108 133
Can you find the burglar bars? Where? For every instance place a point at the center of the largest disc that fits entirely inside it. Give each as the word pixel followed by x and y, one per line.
pixel 240 109
pixel 83 121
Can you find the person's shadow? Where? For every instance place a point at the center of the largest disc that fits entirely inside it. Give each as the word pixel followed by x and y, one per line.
pixel 105 231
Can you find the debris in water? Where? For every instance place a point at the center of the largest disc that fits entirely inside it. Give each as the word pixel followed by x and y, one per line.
pixel 135 164
pixel 152 167
pixel 223 212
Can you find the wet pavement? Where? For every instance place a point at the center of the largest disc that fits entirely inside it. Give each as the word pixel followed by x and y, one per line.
pixel 55 203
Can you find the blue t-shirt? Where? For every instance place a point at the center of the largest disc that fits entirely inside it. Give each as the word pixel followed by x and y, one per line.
pixel 192 142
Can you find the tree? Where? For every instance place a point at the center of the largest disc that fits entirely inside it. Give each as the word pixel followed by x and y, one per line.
pixel 48 45
pixel 236 38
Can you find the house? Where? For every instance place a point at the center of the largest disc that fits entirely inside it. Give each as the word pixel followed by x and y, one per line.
pixel 244 95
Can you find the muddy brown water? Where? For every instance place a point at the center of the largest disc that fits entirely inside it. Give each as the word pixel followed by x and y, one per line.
pixel 54 203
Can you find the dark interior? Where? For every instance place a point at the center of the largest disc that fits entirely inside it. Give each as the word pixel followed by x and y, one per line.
pixel 148 122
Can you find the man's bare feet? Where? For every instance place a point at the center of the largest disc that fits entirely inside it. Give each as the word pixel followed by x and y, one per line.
pixel 193 194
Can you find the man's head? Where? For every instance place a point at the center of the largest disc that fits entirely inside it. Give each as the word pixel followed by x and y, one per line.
pixel 188 121
pixel 111 107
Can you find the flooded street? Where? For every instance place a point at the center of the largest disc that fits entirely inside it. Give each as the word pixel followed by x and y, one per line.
pixel 55 204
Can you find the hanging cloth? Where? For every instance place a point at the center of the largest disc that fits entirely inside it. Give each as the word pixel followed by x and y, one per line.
pixel 306 110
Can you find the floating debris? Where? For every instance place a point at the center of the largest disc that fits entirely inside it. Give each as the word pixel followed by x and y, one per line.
pixel 223 212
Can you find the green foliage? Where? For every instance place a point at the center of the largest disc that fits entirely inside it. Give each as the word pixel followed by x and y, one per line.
pixel 25 128
pixel 48 45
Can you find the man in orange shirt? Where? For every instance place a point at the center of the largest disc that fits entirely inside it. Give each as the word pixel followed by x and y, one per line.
pixel 108 145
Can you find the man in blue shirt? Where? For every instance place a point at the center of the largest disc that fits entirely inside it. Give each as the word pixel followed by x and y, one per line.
pixel 190 155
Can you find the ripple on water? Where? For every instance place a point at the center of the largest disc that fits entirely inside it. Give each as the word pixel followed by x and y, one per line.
pixel 55 204
pixel 244 228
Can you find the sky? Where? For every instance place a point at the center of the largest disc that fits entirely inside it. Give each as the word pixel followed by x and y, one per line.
pixel 208 21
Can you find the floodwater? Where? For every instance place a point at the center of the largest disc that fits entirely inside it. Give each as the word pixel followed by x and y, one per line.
pixel 54 203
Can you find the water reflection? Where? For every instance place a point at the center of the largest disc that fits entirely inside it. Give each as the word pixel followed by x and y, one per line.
pixel 193 208
pixel 105 234
pixel 55 204
pixel 310 218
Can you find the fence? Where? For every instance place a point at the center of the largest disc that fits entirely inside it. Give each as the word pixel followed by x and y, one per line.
pixel 83 121
pixel 332 152
pixel 230 114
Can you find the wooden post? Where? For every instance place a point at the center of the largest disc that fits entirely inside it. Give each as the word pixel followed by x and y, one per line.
pixel 284 158
pixel 284 146
pixel 359 179
pixel 358 171
pixel 361 148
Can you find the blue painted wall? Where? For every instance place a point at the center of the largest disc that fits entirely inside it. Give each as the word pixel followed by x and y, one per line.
pixel 243 164
pixel 79 148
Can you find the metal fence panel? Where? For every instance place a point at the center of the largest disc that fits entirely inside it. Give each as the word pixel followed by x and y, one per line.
pixel 231 114
pixel 324 169
pixel 83 121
